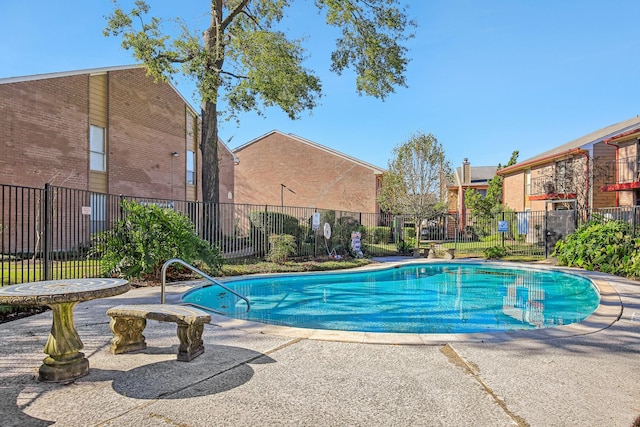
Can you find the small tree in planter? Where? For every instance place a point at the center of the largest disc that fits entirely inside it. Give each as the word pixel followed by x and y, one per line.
pixel 415 183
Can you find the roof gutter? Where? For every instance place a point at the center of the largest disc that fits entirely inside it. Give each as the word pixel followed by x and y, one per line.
pixel 621 136
pixel 539 161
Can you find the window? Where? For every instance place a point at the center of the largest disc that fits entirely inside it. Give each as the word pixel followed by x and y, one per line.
pixel 97 155
pixel 527 182
pixel 191 167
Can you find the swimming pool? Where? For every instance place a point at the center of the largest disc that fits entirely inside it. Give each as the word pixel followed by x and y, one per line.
pixel 420 298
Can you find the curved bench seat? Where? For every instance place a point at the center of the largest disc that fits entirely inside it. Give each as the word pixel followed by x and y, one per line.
pixel 128 323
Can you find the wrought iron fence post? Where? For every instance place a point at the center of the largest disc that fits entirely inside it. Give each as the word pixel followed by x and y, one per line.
pixel 502 233
pixel 120 206
pixel 265 235
pixel 47 232
pixel 546 234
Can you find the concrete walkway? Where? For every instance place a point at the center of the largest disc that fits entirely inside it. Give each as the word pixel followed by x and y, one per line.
pixel 260 376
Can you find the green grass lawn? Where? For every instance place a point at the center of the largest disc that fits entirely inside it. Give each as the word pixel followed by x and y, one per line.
pixel 514 248
pixel 31 270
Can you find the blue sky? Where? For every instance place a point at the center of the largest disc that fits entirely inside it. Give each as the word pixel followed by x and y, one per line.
pixel 486 77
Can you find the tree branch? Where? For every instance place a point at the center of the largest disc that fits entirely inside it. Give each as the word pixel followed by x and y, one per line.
pixel 239 8
pixel 232 75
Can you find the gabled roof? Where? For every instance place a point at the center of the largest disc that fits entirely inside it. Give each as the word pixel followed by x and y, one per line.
pixel 479 173
pixel 480 176
pixel 229 150
pixel 101 70
pixel 580 144
pixel 376 170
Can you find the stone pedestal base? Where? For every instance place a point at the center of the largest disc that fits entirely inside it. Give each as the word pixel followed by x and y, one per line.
pixel 191 345
pixel 62 370
pixel 127 334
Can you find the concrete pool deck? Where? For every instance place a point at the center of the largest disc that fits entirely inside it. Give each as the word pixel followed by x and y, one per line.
pixel 252 374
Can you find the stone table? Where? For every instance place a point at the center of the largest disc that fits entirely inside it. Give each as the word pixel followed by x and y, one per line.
pixel 64 362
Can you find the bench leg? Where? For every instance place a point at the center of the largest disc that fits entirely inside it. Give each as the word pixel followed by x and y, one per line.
pixel 191 345
pixel 127 334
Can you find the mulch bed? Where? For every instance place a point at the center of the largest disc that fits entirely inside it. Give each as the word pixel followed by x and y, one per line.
pixel 20 313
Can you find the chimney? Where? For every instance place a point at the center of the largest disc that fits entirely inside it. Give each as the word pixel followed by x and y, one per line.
pixel 466 171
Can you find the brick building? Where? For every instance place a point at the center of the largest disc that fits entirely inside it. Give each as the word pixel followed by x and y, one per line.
pixel 468 177
pixel 597 170
pixel 108 130
pixel 284 169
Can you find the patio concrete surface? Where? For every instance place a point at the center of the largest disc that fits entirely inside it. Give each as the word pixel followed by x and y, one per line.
pixel 260 376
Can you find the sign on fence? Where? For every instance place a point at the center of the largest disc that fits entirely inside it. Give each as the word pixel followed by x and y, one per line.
pixel 503 226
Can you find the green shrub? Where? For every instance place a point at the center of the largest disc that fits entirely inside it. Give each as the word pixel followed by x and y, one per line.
pixel 377 235
pixel 281 246
pixel 602 246
pixel 409 233
pixel 264 224
pixel 495 252
pixel 146 238
pixel 341 234
pixel 407 245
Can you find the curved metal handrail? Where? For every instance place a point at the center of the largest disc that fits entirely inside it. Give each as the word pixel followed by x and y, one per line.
pixel 200 272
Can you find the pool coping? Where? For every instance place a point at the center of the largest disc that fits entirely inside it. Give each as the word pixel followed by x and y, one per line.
pixel 607 313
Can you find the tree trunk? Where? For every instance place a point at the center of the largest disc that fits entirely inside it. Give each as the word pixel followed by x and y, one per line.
pixel 209 148
pixel 210 173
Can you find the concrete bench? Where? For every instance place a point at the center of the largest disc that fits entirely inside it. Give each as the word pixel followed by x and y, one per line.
pixel 128 323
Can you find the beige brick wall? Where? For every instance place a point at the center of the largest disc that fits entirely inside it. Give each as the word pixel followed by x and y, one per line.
pixel 319 179
pixel 227 177
pixel 513 191
pixel 44 132
pixel 44 135
pixel 146 124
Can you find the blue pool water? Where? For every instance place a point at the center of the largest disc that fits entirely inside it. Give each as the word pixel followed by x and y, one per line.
pixel 416 298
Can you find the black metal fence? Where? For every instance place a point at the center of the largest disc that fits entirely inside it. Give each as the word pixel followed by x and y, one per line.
pixel 46 232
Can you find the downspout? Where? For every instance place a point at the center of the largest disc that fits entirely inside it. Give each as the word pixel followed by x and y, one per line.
pixel 460 207
pixel 463 208
pixel 608 142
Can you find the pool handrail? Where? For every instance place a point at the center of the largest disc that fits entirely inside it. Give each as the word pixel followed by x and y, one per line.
pixel 201 273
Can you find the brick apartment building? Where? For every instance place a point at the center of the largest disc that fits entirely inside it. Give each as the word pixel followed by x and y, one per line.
pixel 597 170
pixel 285 169
pixel 107 130
pixel 468 177
pixel 103 131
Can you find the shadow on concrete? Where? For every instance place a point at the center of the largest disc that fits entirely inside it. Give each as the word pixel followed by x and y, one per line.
pixel 12 414
pixel 219 369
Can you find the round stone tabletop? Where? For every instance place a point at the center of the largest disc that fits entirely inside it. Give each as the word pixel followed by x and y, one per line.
pixel 61 291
